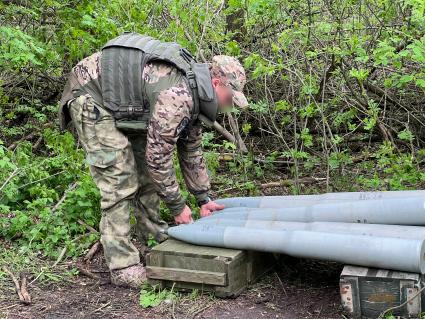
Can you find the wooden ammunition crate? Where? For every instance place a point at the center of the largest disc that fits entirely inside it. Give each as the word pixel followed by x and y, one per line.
pixel 367 292
pixel 225 272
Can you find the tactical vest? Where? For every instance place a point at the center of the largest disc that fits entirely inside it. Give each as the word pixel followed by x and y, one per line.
pixel 122 63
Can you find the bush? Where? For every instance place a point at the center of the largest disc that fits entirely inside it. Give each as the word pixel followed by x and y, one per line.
pixel 337 90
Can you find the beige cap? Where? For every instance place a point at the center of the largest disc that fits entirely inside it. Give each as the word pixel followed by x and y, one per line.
pixel 230 71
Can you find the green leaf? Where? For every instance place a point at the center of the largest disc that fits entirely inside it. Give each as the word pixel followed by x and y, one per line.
pixel 246 127
pixel 360 74
pixel 420 83
pixel 405 79
pixel 283 105
pixel 150 298
pixel 406 135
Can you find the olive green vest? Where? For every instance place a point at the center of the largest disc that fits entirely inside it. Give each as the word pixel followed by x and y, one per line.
pixel 122 63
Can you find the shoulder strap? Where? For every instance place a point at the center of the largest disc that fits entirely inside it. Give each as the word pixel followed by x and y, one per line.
pixel 191 79
pixel 205 93
pixel 193 85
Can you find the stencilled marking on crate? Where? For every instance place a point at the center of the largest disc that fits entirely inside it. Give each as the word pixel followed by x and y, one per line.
pixel 377 295
pixel 382 297
pixel 378 290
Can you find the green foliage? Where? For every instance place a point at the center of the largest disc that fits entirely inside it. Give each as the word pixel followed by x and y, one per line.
pixel 395 171
pixel 37 210
pixel 30 262
pixel 150 297
pixel 406 135
pixel 19 49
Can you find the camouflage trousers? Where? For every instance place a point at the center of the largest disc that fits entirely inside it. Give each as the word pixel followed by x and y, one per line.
pixel 118 167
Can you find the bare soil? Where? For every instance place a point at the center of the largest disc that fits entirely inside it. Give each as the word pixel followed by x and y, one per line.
pixel 296 289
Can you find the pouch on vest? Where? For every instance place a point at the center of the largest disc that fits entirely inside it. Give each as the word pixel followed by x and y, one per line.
pixel 133 125
pixel 206 94
pixel 132 119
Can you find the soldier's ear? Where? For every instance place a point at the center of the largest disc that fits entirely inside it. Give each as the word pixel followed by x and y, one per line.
pixel 215 82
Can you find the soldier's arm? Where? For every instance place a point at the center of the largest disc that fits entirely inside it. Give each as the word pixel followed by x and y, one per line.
pixel 169 115
pixel 193 164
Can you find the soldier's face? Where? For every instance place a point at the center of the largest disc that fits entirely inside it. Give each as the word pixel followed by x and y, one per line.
pixel 224 95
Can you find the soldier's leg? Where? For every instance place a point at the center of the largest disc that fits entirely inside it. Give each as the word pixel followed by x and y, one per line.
pixel 112 165
pixel 146 208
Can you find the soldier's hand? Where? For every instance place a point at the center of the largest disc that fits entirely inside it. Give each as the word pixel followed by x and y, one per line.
pixel 210 207
pixel 185 217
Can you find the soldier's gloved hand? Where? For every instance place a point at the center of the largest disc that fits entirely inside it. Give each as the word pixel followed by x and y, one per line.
pixel 210 207
pixel 185 217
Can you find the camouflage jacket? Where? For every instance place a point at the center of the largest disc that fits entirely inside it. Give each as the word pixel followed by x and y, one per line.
pixel 171 104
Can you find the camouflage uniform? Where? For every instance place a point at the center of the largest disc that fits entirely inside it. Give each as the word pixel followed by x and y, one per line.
pixel 169 126
pixel 114 156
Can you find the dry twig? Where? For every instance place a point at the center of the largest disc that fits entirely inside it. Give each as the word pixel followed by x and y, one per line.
pixel 21 290
pixel 65 194
pixel 93 250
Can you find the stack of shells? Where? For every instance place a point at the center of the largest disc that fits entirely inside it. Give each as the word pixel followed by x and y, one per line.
pixel 374 229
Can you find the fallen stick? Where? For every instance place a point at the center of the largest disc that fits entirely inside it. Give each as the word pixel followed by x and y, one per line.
pixel 89 228
pixel 91 275
pixel 100 308
pixel 24 299
pixel 88 273
pixel 63 251
pixel 227 135
pixel 65 194
pixel 14 173
pixel 24 290
pixel 9 307
pixel 282 183
pixel 198 311
pixel 232 156
pixel 91 231
pixel 16 282
pixel 24 138
pixel 289 182
pixel 93 250
pixel 239 142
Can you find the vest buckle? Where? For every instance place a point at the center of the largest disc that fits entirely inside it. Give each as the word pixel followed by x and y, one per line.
pixel 192 79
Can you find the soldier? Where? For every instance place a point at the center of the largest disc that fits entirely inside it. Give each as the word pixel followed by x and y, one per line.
pixel 132 104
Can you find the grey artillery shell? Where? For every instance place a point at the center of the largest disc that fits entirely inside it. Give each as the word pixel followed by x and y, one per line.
pixel 394 211
pixel 377 230
pixel 303 200
pixel 379 252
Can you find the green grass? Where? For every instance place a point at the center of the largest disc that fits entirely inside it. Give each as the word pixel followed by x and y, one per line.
pixel 39 269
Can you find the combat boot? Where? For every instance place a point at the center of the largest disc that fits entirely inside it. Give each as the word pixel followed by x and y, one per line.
pixel 132 277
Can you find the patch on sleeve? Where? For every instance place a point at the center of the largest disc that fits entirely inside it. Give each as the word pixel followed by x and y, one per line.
pixel 182 126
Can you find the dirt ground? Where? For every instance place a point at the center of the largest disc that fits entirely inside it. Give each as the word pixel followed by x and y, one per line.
pixel 296 289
